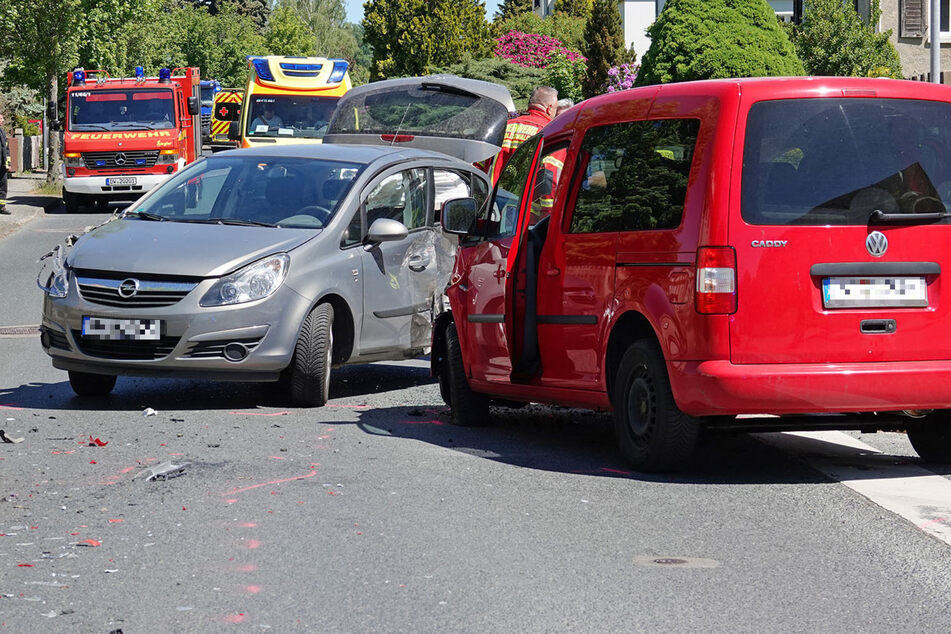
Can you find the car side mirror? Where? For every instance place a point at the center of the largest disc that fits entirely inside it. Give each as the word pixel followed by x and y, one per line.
pixel 385 230
pixel 234 131
pixel 458 215
pixel 194 105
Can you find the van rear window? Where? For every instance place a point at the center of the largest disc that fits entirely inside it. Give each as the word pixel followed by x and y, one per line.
pixel 836 161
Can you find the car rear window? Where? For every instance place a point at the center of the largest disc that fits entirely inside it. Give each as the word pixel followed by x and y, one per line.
pixel 422 109
pixel 836 161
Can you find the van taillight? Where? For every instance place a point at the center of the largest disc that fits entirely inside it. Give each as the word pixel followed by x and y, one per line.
pixel 716 280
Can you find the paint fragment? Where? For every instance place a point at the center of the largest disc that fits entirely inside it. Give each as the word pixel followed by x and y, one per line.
pixel 95 442
pixel 90 543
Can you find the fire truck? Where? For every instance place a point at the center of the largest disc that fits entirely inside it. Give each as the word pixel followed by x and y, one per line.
pixel 289 99
pixel 124 136
pixel 227 109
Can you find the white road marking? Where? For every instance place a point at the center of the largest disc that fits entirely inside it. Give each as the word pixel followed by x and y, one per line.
pixel 907 490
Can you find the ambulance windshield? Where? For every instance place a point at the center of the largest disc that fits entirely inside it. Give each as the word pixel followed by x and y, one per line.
pixel 289 116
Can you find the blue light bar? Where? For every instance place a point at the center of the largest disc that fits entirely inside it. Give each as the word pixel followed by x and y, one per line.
pixel 79 77
pixel 340 69
pixel 139 72
pixel 262 69
pixel 289 66
pixel 165 75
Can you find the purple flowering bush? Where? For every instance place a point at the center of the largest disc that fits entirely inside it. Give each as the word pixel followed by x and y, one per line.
pixel 621 77
pixel 531 49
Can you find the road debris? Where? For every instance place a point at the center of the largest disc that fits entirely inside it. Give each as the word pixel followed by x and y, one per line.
pixel 7 439
pixel 164 471
pixel 89 543
pixel 148 411
pixel 95 442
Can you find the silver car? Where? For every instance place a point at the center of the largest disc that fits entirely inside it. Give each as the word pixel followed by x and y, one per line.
pixel 279 263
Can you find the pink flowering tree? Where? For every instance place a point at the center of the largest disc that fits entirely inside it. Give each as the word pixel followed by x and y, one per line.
pixel 621 77
pixel 531 49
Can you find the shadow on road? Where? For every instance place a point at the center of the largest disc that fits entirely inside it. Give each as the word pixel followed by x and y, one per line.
pixel 48 203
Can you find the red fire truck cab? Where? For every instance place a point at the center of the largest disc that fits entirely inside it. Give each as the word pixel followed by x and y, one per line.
pixel 124 136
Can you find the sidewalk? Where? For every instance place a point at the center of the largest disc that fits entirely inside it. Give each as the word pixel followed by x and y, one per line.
pixel 22 203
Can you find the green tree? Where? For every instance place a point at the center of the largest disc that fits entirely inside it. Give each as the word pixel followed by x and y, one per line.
pixel 288 34
pixel 833 40
pixel 257 10
pixel 603 44
pixel 703 39
pixel 562 26
pixel 511 8
pixel 411 37
pixel 520 80
pixel 567 77
pixel 576 8
pixel 326 19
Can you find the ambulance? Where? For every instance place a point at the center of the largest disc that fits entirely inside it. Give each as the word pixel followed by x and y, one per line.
pixel 289 99
pixel 227 108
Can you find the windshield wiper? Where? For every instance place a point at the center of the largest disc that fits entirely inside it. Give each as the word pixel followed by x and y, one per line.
pixel 144 215
pixel 879 216
pixel 227 221
pixel 93 126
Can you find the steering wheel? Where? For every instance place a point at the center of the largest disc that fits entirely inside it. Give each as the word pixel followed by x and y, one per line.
pixel 322 214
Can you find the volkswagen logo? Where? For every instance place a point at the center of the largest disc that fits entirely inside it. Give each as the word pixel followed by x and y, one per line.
pixel 876 243
pixel 121 158
pixel 128 288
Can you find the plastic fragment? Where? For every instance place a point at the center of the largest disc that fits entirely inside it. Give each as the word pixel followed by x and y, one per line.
pixel 95 442
pixel 7 439
pixel 148 411
pixel 91 543
pixel 165 471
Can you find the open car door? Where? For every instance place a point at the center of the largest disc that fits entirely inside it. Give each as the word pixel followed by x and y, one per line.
pixel 453 115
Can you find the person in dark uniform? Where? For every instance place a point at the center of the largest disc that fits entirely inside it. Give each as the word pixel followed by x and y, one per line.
pixel 4 166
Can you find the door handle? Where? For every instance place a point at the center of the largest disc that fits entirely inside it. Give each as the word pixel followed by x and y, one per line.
pixel 418 263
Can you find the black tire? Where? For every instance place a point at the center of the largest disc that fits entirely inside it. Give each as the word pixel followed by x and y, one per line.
pixel 71 201
pixel 313 357
pixel 469 409
pixel 931 437
pixel 86 384
pixel 652 433
pixel 444 380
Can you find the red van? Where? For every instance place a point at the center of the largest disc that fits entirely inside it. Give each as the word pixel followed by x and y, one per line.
pixel 687 253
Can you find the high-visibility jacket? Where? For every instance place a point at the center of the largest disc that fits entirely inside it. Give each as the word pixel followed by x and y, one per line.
pixel 517 131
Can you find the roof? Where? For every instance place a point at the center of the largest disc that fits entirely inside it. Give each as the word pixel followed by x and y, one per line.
pixel 483 88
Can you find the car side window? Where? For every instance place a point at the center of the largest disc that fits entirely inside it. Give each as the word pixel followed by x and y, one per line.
pixel 401 196
pixel 634 176
pixel 500 219
pixel 353 234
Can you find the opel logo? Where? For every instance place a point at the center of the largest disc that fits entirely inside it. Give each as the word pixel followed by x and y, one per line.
pixel 876 243
pixel 128 288
pixel 121 158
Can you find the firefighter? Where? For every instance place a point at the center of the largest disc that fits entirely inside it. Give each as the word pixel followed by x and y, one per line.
pixel 4 167
pixel 542 105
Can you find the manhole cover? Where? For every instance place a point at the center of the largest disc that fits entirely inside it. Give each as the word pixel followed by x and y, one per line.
pixel 676 562
pixel 18 331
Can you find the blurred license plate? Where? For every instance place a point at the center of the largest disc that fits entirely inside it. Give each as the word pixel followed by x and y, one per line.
pixel 121 180
pixel 122 329
pixel 874 292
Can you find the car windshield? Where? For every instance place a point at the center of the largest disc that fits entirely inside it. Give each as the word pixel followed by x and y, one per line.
pixel 130 109
pixel 289 116
pixel 838 161
pixel 254 190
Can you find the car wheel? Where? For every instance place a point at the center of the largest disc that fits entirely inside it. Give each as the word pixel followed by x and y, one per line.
pixel 71 201
pixel 469 409
pixel 444 382
pixel 931 437
pixel 310 368
pixel 87 384
pixel 652 433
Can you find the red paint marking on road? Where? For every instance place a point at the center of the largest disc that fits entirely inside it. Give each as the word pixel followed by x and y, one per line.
pixel 24 565
pixel 350 406
pixel 11 406
pixel 115 521
pixel 615 471
pixel 176 454
pixel 276 458
pixel 323 437
pixel 92 462
pixel 264 484
pixel 127 470
pixel 92 543
pixel 329 429
pixel 937 520
pixel 252 544
pixel 231 501
pixel 422 422
pixel 248 525
pixel 252 589
pixel 246 568
pixel 234 618
pixel 260 413
pixel 59 452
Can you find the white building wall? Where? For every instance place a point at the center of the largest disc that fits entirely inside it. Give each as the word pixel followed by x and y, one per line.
pixel 637 15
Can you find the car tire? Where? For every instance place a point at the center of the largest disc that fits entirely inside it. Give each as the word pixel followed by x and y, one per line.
pixel 87 384
pixel 931 437
pixel 71 202
pixel 313 356
pixel 652 433
pixel 469 409
pixel 444 382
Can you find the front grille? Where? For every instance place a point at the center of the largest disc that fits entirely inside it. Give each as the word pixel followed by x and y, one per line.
pixel 127 159
pixel 125 349
pixel 216 349
pixel 56 338
pixel 148 294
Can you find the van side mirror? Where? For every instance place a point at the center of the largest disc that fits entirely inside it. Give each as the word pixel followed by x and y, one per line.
pixel 234 131
pixel 385 230
pixel 194 105
pixel 458 215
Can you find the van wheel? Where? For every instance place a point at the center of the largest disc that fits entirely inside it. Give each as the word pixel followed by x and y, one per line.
pixel 469 409
pixel 310 368
pixel 88 384
pixel 652 433
pixel 71 201
pixel 931 437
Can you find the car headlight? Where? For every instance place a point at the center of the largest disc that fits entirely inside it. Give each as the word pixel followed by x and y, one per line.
pixel 73 159
pixel 166 157
pixel 255 281
pixel 53 278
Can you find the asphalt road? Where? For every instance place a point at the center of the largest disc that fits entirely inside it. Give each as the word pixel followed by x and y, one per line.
pixel 373 514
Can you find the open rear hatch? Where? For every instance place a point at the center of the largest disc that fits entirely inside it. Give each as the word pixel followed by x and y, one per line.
pixel 461 117
pixel 843 232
